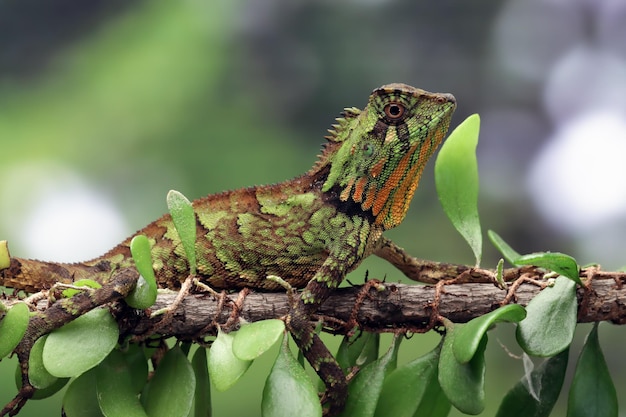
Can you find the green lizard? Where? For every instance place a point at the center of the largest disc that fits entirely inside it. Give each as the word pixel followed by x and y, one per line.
pixel 310 231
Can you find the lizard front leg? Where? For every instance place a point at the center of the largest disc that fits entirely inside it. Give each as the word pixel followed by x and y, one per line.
pixel 299 324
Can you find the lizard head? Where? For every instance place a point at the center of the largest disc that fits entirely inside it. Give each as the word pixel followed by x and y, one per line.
pixel 377 155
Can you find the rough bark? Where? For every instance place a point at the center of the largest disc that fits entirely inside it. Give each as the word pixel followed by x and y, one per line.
pixel 389 306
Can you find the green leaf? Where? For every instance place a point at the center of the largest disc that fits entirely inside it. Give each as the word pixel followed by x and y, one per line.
pixel 469 336
pixel 37 373
pixel 288 389
pixel 116 392
pixel 554 261
pixel 254 339
pixel 81 344
pixel 170 391
pixel 145 292
pixel 434 401
pixel 550 321
pixel 138 366
pixel 46 384
pixel 592 392
pixel 50 390
pixel 81 399
pixel 12 328
pixel 536 393
pixel 499 274
pixel 404 388
pixel 456 178
pixel 224 367
pixel 202 396
pixel 184 220
pixel 5 258
pixel 364 390
pixel 88 283
pixel 462 383
pixel 143 295
pixel 508 252
pixel 358 350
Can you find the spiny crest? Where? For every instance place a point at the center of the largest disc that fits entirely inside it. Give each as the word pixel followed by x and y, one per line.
pixel 343 121
pixel 383 149
pixel 335 136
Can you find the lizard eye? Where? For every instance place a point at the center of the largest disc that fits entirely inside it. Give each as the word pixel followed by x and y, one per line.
pixel 368 149
pixel 394 110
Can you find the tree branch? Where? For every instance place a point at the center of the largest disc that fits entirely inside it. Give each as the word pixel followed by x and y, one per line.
pixel 389 307
pixel 465 293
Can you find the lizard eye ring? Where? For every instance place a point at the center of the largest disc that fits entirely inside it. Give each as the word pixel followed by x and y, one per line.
pixel 394 110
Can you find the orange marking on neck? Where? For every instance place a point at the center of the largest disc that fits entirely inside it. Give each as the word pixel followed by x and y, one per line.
pixel 426 150
pixel 397 176
pixel 369 198
pixel 359 188
pixel 399 204
pixel 346 191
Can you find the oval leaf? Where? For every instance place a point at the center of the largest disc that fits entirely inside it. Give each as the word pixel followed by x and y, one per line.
pixel 143 295
pixel 536 394
pixel 5 258
pixel 254 339
pixel 404 388
pixel 81 399
pixel 116 393
pixel 81 344
pixel 434 401
pixel 508 252
pixel 592 392
pixel 53 386
pixel 288 389
pixel 456 178
pixel 12 328
pixel 364 390
pixel 554 261
pixel 358 350
pixel 469 336
pixel 202 396
pixel 224 367
pixel 50 390
pixel 88 283
pixel 145 292
pixel 184 220
pixel 136 360
pixel 37 373
pixel 170 391
pixel 463 383
pixel 550 321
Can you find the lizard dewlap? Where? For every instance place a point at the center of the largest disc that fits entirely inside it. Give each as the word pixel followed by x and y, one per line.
pixel 310 231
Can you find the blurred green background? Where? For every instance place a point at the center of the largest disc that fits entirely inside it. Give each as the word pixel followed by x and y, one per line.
pixel 105 106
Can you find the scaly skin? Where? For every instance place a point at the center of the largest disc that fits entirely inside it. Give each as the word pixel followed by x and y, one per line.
pixel 311 231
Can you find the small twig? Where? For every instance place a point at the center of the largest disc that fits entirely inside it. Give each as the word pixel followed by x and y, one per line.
pixel 363 294
pixel 517 283
pixel 237 307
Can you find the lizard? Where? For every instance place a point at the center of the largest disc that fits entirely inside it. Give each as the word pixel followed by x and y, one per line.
pixel 310 231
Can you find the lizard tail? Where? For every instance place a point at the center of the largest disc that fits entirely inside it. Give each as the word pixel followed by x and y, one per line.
pixel 32 275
